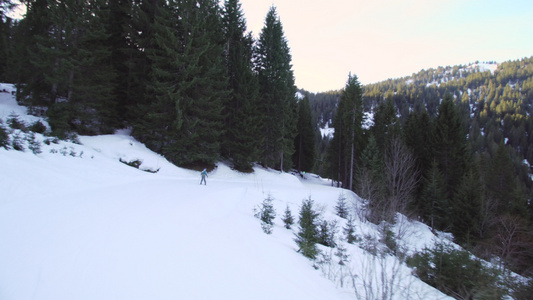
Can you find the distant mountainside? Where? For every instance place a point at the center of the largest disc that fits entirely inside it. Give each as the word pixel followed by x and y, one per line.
pixel 470 131
pixel 496 98
pixel 505 88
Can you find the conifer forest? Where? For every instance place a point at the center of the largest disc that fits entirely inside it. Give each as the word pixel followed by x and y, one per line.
pixel 449 146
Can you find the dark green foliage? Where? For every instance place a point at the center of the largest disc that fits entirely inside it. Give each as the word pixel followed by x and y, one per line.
pixel 418 133
pixel 307 235
pixel 388 238
pixel 122 56
pixel 326 233
pixel 278 108
pixel 266 213
pixel 15 123
pixel 17 141
pixel 33 144
pixel 456 273
pixel 349 231
pixel 450 145
pixel 38 127
pixel 287 218
pixel 304 156
pixel 370 179
pixel 342 207
pixel 68 57
pixel 348 137
pixel 435 207
pixel 523 291
pixel 188 84
pixel 385 124
pixel 242 121
pixel 467 209
pixel 4 136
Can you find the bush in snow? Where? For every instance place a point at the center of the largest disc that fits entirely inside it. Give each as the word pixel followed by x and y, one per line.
pixel 326 234
pixel 307 235
pixel 341 208
pixel 266 213
pixel 14 122
pixel 33 144
pixel 388 238
pixel 38 127
pixel 349 231
pixel 287 219
pixel 17 141
pixel 456 273
pixel 4 137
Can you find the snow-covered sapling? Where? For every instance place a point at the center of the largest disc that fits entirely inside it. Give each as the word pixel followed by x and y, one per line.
pixel 349 231
pixel 266 213
pixel 287 219
pixel 341 208
pixel 307 235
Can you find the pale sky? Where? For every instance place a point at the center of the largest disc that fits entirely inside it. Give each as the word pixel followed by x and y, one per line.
pixel 381 39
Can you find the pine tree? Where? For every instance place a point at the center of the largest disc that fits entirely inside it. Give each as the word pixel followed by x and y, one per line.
pixel 304 144
pixel 307 235
pixel 349 231
pixel 69 64
pixel 184 122
pixel 418 133
pixel 277 90
pixel 435 208
pixel 123 48
pixel 467 208
pixel 348 137
pixel 341 208
pixel 385 124
pixel 266 213
pixel 326 233
pixel 242 138
pixel 287 218
pixel 450 145
pixel 370 179
pixel 4 137
pixel 91 78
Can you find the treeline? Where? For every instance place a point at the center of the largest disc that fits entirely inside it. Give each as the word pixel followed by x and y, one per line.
pixel 450 147
pixel 185 75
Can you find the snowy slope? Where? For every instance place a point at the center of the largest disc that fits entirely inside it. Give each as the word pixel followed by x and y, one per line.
pixel 75 223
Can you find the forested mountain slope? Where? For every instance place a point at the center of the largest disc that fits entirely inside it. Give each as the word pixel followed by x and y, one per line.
pixel 469 131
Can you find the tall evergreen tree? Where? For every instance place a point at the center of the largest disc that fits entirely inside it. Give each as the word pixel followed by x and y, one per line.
pixel 348 137
pixel 467 208
pixel 6 26
pixel 304 156
pixel 436 208
pixel 242 138
pixel 418 135
pixel 184 122
pixel 385 124
pixel 70 61
pixel 277 90
pixel 122 47
pixel 450 145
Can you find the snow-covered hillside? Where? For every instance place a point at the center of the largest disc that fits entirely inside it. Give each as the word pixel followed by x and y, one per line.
pixel 76 223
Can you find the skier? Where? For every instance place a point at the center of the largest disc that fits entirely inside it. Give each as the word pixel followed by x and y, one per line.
pixel 204 174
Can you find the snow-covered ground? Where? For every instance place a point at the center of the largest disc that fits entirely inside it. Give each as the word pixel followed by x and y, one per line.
pixel 76 223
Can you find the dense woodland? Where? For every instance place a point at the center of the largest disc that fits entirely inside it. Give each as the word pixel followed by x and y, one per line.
pixel 186 76
pixel 449 146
